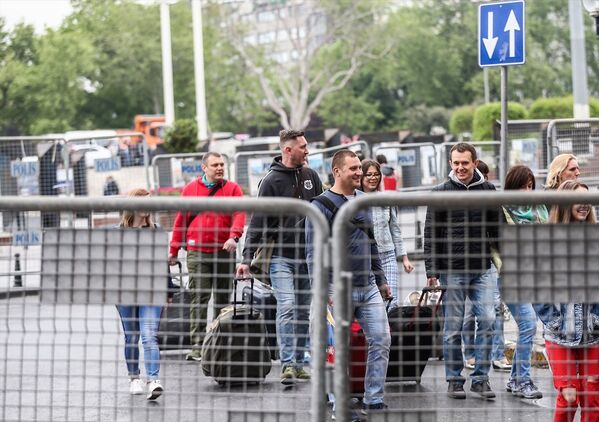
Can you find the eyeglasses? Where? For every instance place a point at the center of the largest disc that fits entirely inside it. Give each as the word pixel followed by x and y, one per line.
pixel 371 175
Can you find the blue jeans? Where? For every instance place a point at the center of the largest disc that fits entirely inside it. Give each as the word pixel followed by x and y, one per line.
pixel 498 352
pixel 526 318
pixel 479 288
pixel 292 288
pixel 144 320
pixel 468 331
pixel 371 313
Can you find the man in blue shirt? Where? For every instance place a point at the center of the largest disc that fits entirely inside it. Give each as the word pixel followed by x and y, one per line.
pixel 369 285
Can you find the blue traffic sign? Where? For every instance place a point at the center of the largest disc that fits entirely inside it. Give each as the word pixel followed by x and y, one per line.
pixel 501 34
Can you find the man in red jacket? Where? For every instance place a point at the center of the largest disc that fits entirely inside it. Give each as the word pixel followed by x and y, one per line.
pixel 211 240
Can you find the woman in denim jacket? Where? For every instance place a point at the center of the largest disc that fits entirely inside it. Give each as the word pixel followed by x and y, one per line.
pixel 572 335
pixel 387 231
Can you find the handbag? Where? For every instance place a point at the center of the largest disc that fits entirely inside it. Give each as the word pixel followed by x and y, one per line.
pixel 260 264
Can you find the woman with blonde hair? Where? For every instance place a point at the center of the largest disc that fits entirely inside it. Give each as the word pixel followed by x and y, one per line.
pixel 141 320
pixel 572 333
pixel 563 167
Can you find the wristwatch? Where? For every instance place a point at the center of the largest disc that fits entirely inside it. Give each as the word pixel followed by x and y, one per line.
pixel 236 239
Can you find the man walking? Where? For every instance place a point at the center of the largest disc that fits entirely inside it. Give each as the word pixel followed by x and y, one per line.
pixel 369 285
pixel 457 253
pixel 211 240
pixel 289 177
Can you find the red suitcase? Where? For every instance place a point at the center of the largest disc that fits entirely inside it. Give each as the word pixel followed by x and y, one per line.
pixel 358 350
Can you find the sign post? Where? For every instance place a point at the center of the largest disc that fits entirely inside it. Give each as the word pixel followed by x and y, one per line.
pixel 501 42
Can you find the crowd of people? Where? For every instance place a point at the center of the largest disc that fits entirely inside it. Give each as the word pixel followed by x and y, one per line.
pixel 462 255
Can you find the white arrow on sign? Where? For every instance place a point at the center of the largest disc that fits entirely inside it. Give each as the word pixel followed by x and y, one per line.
pixel 490 42
pixel 512 26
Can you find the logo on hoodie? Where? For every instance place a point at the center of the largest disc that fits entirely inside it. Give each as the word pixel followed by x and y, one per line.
pixel 308 184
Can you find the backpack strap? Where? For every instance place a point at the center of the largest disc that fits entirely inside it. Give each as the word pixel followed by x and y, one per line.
pixel 329 205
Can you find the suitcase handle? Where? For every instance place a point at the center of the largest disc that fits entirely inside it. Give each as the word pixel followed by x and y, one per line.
pixel 425 291
pixel 235 302
pixel 180 276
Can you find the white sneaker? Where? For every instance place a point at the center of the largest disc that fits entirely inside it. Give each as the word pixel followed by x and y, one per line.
pixel 155 389
pixel 136 386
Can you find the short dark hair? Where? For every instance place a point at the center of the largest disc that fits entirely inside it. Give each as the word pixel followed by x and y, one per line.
pixel 483 167
pixel 208 155
pixel 517 177
pixel 289 135
pixel 340 156
pixel 463 147
pixel 381 158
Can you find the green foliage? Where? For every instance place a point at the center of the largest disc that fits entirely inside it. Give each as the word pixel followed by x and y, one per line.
pixel 552 108
pixel 594 107
pixel 422 119
pixel 559 108
pixel 486 115
pixel 182 137
pixel 461 120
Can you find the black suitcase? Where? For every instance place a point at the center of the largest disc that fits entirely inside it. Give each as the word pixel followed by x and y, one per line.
pixel 174 320
pixel 264 301
pixel 415 333
pixel 235 348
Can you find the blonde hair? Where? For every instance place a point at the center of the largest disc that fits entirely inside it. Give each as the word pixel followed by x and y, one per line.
pixel 127 218
pixel 563 213
pixel 556 168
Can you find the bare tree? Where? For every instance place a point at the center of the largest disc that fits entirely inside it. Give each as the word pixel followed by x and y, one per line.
pixel 302 51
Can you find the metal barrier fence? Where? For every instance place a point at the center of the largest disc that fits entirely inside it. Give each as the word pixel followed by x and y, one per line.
pixel 416 163
pixel 63 353
pixel 176 170
pixel 578 137
pixel 541 263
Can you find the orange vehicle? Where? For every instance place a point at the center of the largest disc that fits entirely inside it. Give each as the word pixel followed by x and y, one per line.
pixel 152 126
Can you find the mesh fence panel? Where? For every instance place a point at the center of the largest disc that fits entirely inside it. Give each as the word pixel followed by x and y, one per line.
pixel 70 354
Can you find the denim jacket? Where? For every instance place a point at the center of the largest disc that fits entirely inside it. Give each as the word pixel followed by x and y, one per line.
pixel 387 231
pixel 570 324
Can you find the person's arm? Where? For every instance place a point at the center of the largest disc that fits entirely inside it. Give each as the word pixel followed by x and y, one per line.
pixel 177 238
pixel 549 314
pixel 258 224
pixel 433 232
pixel 595 317
pixel 237 224
pixel 400 250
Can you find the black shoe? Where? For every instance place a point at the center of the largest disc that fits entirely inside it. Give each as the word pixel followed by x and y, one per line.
pixel 483 389
pixel 455 390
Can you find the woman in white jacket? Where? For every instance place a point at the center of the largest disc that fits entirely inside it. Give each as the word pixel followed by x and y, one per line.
pixel 387 231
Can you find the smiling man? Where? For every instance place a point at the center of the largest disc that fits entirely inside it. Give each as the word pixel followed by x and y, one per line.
pixel 211 240
pixel 457 253
pixel 369 285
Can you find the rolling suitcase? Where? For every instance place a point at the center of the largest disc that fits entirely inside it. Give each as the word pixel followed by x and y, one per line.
pixel 415 331
pixel 235 349
pixel 174 320
pixel 264 301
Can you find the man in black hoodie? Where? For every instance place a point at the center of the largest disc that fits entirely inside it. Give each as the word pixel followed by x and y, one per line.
pixel 457 253
pixel 288 177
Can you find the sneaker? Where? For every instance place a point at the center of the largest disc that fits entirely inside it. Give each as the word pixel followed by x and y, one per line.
pixel 469 363
pixel 455 390
pixel 511 386
pixel 155 389
pixel 288 375
pixel 502 365
pixel 527 390
pixel 372 408
pixel 194 355
pixel 302 375
pixel 483 389
pixel 136 386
